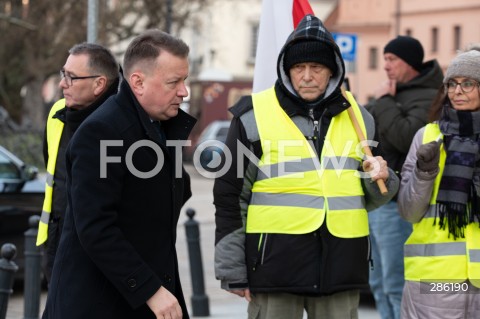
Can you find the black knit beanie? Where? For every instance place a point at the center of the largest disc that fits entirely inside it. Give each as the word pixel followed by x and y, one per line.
pixel 309 51
pixel 408 49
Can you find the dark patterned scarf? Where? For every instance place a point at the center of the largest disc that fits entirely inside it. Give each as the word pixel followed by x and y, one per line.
pixel 458 203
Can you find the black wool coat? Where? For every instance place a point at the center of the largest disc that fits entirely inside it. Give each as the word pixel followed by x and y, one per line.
pixel 118 243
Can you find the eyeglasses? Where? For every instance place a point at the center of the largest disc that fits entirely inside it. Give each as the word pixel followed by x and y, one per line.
pixel 466 86
pixel 69 79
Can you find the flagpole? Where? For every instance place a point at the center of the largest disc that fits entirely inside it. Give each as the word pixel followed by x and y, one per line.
pixel 363 142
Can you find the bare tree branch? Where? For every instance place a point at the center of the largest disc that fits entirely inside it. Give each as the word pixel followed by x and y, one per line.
pixel 36 39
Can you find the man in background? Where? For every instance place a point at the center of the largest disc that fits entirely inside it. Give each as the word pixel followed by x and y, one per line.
pixel 88 78
pixel 400 108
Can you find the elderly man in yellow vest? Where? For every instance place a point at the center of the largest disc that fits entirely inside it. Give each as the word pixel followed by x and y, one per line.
pixel 90 76
pixel 291 219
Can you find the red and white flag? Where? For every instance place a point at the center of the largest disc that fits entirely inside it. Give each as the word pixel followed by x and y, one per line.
pixel 278 19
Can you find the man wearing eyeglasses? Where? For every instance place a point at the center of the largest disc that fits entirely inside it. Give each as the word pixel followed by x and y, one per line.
pixel 90 75
pixel 400 108
pixel 126 187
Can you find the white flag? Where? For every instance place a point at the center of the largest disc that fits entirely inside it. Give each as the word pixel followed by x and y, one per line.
pixel 278 19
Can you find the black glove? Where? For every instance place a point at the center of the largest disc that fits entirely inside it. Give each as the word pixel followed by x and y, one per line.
pixel 428 156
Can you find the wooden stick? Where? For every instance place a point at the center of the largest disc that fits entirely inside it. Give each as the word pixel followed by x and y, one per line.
pixel 361 137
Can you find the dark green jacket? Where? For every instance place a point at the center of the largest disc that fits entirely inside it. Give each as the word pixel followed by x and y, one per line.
pixel 399 117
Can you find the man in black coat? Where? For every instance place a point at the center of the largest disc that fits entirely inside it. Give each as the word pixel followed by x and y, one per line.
pixel 126 187
pixel 88 78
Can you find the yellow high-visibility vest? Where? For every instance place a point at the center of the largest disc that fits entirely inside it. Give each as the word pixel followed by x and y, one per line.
pixel 294 192
pixel 431 254
pixel 54 133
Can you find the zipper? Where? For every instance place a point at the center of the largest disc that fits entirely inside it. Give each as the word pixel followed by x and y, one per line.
pixel 369 253
pixel 263 249
pixel 315 131
pixel 262 244
pixel 317 125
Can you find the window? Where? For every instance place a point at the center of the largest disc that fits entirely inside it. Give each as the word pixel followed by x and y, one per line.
pixel 7 169
pixel 434 39
pixel 373 58
pixel 253 43
pixel 457 37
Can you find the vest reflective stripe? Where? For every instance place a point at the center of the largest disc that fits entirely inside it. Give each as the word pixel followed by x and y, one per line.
pixel 346 202
pixel 445 249
pixel 299 200
pixel 54 133
pixel 44 218
pixel 49 179
pixel 286 168
pixel 474 255
pixel 292 200
pixel 431 254
pixel 293 176
pixel 305 165
pixel 432 211
pixel 340 163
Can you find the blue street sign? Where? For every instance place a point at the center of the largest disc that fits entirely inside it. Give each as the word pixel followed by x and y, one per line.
pixel 347 44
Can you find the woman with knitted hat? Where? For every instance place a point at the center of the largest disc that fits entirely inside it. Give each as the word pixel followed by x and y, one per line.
pixel 440 195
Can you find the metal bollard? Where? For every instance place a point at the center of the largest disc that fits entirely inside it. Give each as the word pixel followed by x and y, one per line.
pixel 7 275
pixel 33 271
pixel 199 298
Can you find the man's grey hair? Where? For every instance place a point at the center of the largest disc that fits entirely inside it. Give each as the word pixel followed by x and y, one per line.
pixel 100 60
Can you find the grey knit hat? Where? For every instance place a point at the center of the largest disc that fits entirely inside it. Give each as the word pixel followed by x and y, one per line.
pixel 466 64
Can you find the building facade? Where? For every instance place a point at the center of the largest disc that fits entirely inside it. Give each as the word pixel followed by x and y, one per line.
pixel 223 37
pixel 442 26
